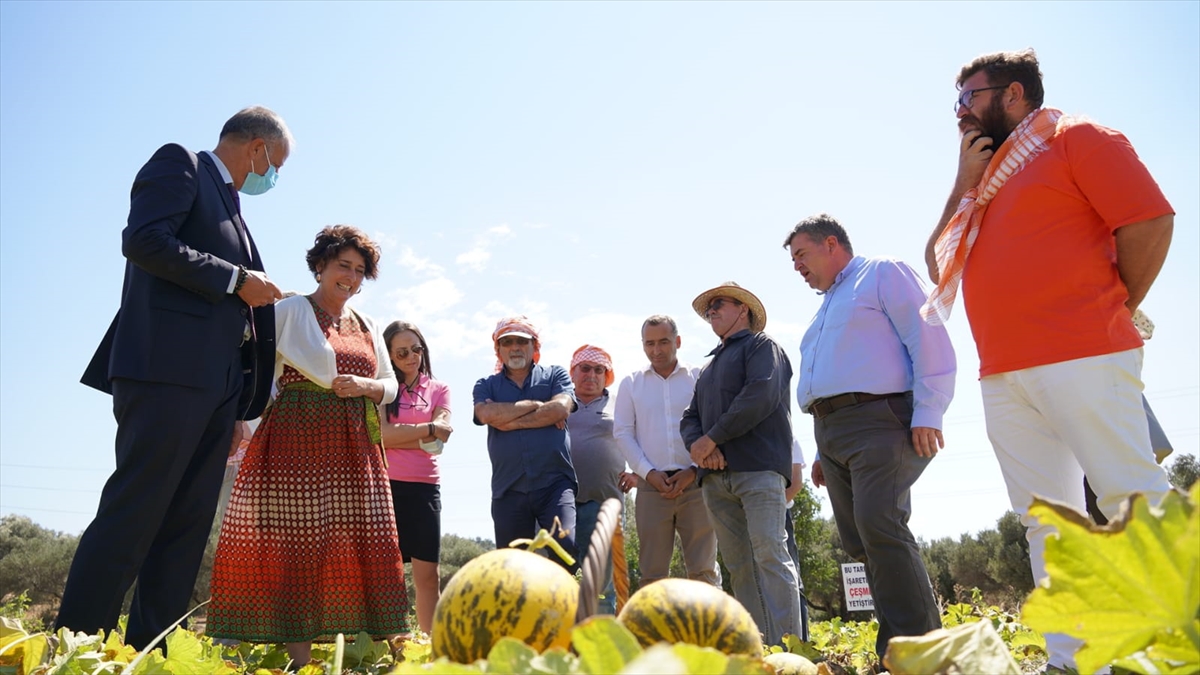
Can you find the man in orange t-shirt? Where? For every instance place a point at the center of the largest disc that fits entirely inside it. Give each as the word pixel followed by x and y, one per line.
pixel 1066 251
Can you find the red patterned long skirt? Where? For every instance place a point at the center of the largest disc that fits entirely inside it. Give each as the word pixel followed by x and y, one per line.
pixel 308 545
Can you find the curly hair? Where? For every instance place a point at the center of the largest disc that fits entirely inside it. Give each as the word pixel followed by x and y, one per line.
pixel 333 238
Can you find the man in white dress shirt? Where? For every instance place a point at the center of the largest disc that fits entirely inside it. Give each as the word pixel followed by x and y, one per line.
pixel 650 403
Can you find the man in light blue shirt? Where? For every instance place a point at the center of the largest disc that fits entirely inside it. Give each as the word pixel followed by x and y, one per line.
pixel 877 379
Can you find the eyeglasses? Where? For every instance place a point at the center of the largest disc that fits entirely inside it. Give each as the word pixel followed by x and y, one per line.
pixel 510 341
pixel 588 369
pixel 968 95
pixel 403 352
pixel 718 303
pixel 418 401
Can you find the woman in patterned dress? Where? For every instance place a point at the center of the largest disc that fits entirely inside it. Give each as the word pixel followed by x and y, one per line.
pixel 415 426
pixel 308 546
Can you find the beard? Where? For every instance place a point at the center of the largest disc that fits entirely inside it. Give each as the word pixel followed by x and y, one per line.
pixel 992 123
pixel 517 362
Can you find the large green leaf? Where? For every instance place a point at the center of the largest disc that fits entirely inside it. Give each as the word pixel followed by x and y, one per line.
pixel 604 645
pixel 442 666
pixel 973 647
pixel 187 655
pixel 700 659
pixel 20 651
pixel 510 656
pixel 658 659
pixel 555 661
pixel 1131 586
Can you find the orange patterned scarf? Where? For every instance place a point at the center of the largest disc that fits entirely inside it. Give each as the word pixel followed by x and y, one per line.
pixel 1031 137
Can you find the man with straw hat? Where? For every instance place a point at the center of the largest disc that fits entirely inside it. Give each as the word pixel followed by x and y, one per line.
pixel 525 406
pixel 877 380
pixel 738 430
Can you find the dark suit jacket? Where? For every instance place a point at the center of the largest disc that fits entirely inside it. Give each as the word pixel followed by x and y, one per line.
pixel 177 325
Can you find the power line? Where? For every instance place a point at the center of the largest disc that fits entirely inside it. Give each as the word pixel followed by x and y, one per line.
pixel 30 508
pixel 48 489
pixel 54 468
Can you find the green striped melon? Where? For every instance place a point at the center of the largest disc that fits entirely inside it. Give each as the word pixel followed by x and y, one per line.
pixel 504 593
pixel 683 610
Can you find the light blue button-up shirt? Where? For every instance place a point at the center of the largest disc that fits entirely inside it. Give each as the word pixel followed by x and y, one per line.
pixel 869 337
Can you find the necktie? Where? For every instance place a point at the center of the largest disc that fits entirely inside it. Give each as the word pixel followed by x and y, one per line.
pixel 237 202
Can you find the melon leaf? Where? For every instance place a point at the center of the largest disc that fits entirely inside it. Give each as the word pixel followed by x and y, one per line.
pixel 187 655
pixel 604 645
pixel 973 647
pixel 659 659
pixel 740 664
pixel 1130 587
pixel 700 659
pixel 555 661
pixel 442 666
pixel 510 656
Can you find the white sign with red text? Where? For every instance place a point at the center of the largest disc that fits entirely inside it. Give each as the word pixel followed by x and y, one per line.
pixel 858 593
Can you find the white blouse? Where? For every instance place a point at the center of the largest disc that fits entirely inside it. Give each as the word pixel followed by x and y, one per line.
pixel 300 344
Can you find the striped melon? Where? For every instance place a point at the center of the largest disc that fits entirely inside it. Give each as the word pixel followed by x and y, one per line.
pixel 683 610
pixel 504 593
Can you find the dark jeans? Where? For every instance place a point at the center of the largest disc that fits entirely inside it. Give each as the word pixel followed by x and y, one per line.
pixel 870 466
pixel 519 515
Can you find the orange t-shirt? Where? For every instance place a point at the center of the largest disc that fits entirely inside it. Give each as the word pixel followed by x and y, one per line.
pixel 1041 283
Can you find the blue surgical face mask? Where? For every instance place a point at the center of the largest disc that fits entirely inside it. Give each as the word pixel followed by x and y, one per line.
pixel 256 184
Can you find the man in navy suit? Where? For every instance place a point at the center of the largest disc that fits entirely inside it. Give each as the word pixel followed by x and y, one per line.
pixel 190 352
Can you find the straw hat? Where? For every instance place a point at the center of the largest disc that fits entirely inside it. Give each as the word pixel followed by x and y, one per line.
pixel 730 289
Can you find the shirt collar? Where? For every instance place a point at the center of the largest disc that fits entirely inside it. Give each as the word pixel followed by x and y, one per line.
pixel 225 175
pixel 649 368
pixel 422 382
pixel 602 399
pixel 725 343
pixel 854 264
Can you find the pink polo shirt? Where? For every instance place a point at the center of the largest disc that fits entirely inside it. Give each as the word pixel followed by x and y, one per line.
pixel 414 465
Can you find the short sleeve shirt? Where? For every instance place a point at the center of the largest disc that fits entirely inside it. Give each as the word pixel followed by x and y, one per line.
pixel 594 451
pixel 417 406
pixel 525 460
pixel 1041 285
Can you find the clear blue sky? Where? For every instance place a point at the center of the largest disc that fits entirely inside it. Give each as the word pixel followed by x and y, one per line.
pixel 585 164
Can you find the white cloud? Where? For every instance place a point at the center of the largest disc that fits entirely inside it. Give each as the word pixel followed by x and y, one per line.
pixel 417 303
pixel 475 259
pixel 418 266
pixel 385 240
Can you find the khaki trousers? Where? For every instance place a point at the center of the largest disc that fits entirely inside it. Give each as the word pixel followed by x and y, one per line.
pixel 659 518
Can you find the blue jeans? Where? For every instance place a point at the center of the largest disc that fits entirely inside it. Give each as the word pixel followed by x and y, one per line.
pixel 586 514
pixel 748 511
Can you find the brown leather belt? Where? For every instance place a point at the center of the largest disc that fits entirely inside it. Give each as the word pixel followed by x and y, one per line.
pixel 823 406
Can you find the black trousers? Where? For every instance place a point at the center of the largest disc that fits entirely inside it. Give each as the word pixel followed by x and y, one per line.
pixel 156 510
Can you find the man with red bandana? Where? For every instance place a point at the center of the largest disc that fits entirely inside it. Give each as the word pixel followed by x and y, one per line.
pixel 1056 231
pixel 525 406
pixel 595 454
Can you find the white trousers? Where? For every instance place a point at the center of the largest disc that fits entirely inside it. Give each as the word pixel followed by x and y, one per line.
pixel 1050 425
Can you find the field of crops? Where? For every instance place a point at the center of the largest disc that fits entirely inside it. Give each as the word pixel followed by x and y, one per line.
pixel 600 645
pixel 1130 591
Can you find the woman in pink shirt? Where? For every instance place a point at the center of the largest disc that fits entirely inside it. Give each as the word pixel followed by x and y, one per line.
pixel 415 426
